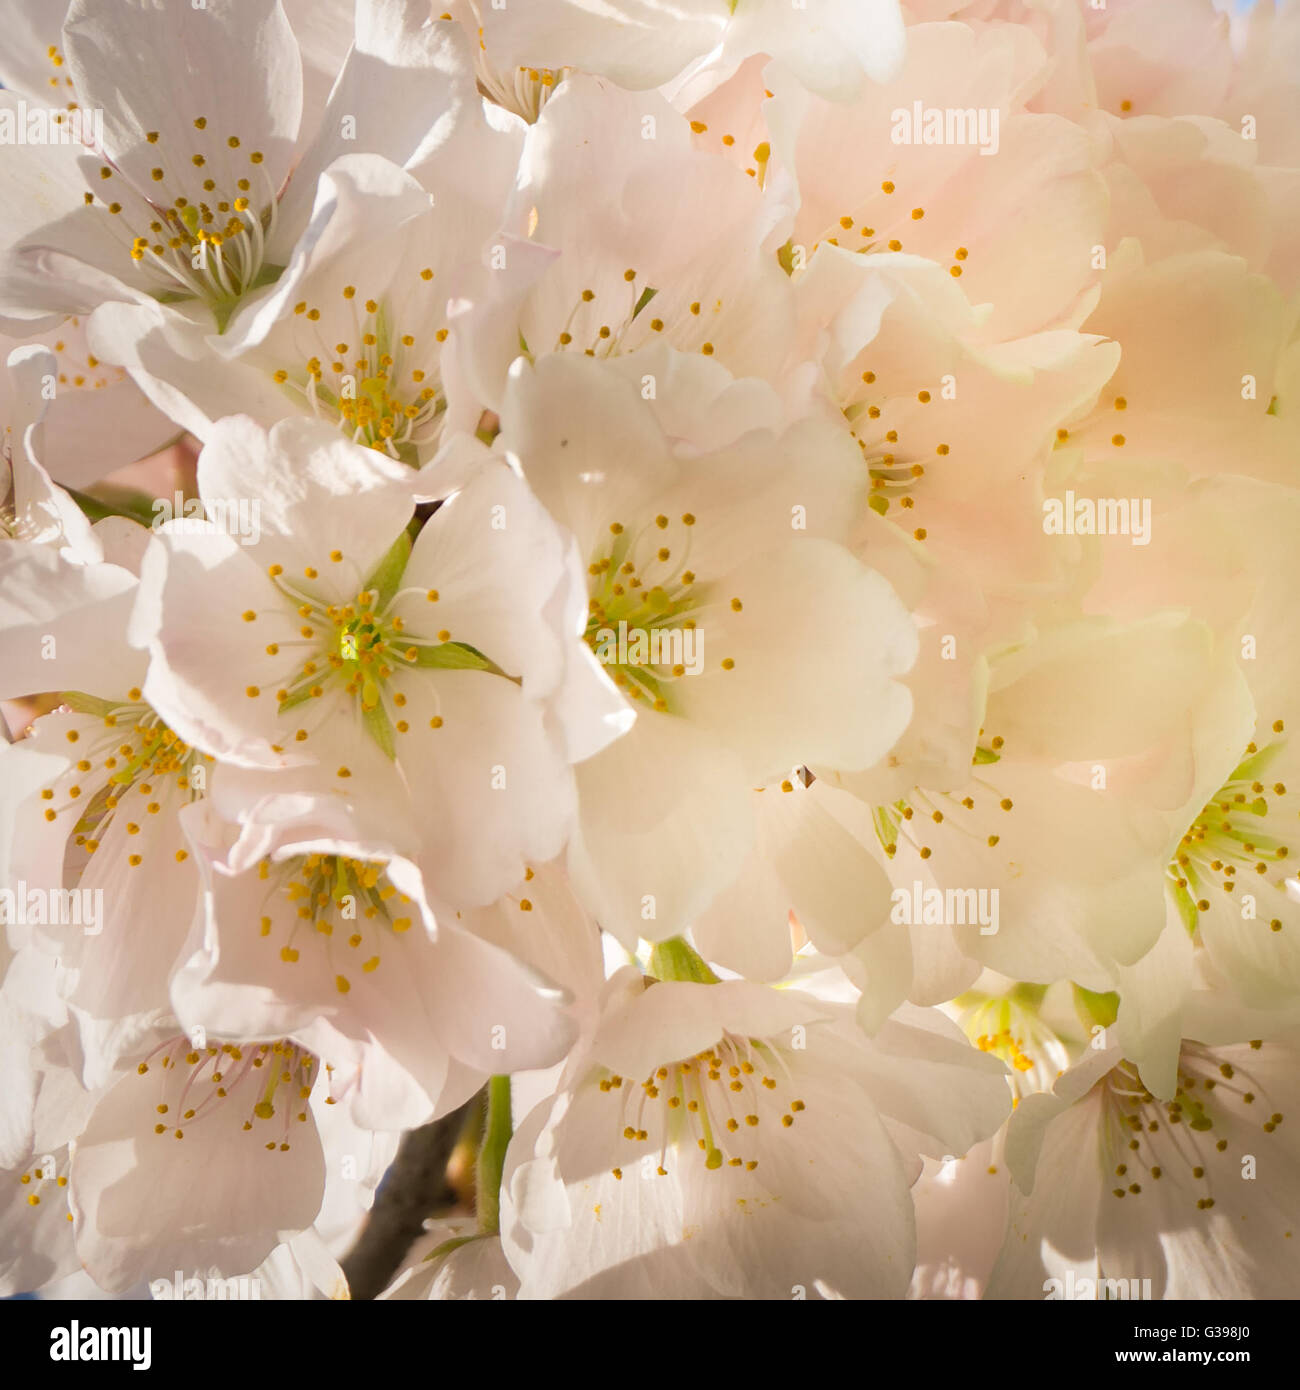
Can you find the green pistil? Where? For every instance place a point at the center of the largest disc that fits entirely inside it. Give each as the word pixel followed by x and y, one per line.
pixel 712 1154
pixel 335 878
pixel 340 879
pixel 1193 1112
pixel 886 820
pixel 327 892
pixel 265 1108
pixel 621 595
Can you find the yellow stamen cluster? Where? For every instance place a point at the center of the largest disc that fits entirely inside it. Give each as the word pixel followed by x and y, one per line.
pixel 1237 838
pixel 880 210
pixel 642 579
pixel 1180 1141
pixel 264 1080
pixel 603 326
pixel 1004 1045
pixel 343 906
pixel 907 817
pixel 876 419
pixel 381 386
pixel 706 1102
pixel 132 755
pixel 523 90
pixel 352 648
pixel 201 223
pixel 45 1188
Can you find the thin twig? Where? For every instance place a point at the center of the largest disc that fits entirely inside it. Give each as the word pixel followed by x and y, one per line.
pixel 414 1188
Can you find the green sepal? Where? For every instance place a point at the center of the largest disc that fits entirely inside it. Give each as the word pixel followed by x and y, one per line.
pixel 387 578
pixel 1096 1008
pixel 448 1246
pixel 674 959
pixel 453 656
pixel 88 704
pixel 116 501
pixel 267 275
pixel 294 699
pixel 1251 768
pixel 1186 905
pixel 380 728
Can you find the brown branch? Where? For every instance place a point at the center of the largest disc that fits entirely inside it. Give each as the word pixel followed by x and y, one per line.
pixel 414 1188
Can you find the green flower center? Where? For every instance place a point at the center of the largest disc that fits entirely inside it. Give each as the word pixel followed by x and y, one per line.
pixel 1234 836
pixel 349 904
pixel 381 387
pixel 359 648
pixel 199 226
pixel 138 769
pixel 645 608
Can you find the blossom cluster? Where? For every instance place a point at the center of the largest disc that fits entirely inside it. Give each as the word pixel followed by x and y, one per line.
pixel 705 590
